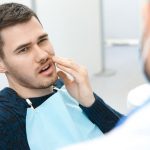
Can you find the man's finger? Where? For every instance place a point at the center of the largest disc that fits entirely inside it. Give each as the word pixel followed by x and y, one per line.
pixel 66 62
pixel 71 73
pixel 64 77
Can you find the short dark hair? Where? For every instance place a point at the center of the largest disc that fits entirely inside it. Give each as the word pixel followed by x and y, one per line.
pixel 12 14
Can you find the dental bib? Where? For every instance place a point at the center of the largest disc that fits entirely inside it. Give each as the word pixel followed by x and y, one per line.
pixel 58 122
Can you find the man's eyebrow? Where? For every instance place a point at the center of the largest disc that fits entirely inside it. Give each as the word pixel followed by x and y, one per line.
pixel 22 46
pixel 27 44
pixel 43 36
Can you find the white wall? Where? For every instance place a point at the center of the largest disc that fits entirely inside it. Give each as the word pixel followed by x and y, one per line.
pixel 122 18
pixel 74 29
pixel 26 2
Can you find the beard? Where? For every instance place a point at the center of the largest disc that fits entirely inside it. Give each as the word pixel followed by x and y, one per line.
pixel 32 83
pixel 44 85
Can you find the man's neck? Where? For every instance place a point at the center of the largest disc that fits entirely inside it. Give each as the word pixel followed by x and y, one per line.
pixel 25 92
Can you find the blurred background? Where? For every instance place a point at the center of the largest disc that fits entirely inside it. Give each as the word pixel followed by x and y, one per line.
pixel 103 35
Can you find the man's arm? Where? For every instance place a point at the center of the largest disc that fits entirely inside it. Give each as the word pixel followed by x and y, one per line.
pixel 77 83
pixel 102 114
pixel 99 113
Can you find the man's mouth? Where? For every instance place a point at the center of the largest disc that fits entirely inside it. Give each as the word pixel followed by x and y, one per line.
pixel 45 68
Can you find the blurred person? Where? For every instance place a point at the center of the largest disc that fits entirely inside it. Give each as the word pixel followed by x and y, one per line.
pixel 36 110
pixel 133 131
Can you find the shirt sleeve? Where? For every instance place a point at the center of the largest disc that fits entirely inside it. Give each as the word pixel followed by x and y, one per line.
pixel 102 114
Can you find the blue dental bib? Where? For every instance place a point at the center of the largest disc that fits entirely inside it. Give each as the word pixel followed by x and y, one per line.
pixel 58 122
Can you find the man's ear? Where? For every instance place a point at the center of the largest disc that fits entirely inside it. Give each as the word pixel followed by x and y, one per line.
pixel 2 67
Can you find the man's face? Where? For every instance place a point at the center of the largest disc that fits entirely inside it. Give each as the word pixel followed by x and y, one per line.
pixel 27 56
pixel 146 40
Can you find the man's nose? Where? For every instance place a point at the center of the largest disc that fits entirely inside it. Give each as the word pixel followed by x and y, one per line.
pixel 41 55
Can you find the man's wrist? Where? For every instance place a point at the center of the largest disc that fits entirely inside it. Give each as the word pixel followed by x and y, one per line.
pixel 89 102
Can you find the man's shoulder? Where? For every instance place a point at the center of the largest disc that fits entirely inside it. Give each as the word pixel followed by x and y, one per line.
pixel 5 108
pixel 5 91
pixel 10 107
pixel 8 96
pixel 12 125
pixel 5 96
pixel 5 115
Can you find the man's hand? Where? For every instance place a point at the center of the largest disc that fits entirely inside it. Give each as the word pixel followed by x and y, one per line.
pixel 76 80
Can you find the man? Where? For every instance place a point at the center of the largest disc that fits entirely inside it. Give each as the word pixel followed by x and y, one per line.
pixel 132 133
pixel 28 60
